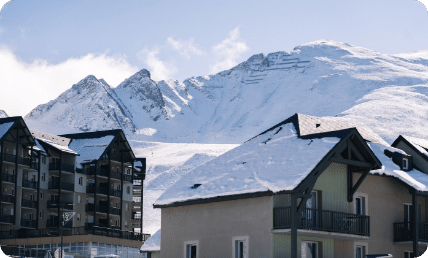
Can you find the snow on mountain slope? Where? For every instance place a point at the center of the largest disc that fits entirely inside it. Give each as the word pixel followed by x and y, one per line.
pixel 3 114
pixel 321 78
pixel 166 164
pixel 89 104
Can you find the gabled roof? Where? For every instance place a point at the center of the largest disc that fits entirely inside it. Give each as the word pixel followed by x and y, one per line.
pixel 419 145
pixel 276 160
pixel 7 123
pixel 92 145
pixel 56 142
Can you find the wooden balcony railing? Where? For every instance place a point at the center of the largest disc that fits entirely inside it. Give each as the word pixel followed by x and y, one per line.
pixel 322 220
pixel 403 231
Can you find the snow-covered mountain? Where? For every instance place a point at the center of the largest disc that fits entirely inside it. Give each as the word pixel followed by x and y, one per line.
pixel 322 78
pixel 3 114
pixel 388 93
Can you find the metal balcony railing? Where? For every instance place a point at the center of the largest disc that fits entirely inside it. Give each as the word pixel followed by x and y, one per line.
pixel 8 178
pixel 64 167
pixel 34 165
pixel 7 218
pixel 28 223
pixel 116 193
pixel 8 198
pixel 29 184
pixel 24 161
pixel 28 203
pixel 9 158
pixel 62 186
pixel 136 216
pixel 403 231
pixel 322 220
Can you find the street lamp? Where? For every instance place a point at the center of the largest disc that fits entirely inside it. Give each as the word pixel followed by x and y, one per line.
pixel 66 217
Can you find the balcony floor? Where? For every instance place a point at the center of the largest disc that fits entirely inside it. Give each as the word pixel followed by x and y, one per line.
pixel 318 233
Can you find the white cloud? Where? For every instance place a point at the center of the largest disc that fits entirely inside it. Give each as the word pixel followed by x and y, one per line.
pixel 159 70
pixel 24 85
pixel 186 48
pixel 425 3
pixel 2 3
pixel 228 51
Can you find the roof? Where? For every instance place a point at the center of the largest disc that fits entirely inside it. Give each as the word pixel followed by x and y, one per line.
pixel 54 141
pixel 153 243
pixel 277 160
pixel 419 145
pixel 90 149
pixel 259 165
pixel 7 123
pixel 96 134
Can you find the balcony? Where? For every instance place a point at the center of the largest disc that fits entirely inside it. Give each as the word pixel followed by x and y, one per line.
pixel 24 161
pixel 28 204
pixel 90 207
pixel 64 167
pixel 7 219
pixel 53 223
pixel 115 175
pixel 325 221
pixel 9 158
pixel 8 178
pixel 98 190
pixel 34 165
pixel 99 172
pixel 403 232
pixel 29 184
pixel 62 186
pixel 8 198
pixel 28 223
pixel 64 205
pixel 136 216
pixel 127 177
pixel 115 193
pixel 114 210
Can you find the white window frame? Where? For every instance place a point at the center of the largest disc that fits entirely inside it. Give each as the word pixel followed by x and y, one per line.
pixel 366 202
pixel 79 199
pixel 43 177
pixel 126 207
pixel 408 252
pixel 190 243
pixel 358 244
pixel 405 164
pixel 317 252
pixel 78 217
pixel 246 241
pixel 80 180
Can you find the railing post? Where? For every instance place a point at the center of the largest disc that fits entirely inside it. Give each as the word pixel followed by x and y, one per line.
pixel 293 213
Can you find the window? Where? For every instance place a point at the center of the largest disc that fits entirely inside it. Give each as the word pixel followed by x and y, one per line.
pixel 41 214
pixel 41 195
pixel 309 249
pixel 12 191
pixel 80 180
pixel 240 247
pixel 44 176
pixel 126 207
pixel 191 249
pixel 405 164
pixel 408 254
pixel 360 251
pixel 359 206
pixel 31 197
pixel 126 224
pixel 12 212
pixel 31 216
pixel 44 159
pixel 78 217
pixel 117 222
pixel 79 199
pixel 128 189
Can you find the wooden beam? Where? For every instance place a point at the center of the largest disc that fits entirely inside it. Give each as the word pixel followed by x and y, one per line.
pixel 356 151
pixel 415 225
pixel 353 162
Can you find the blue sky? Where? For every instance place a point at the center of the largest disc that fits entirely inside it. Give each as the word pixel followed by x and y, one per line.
pixel 46 45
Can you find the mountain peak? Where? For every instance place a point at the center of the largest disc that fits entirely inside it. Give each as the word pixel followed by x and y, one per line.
pixel 143 73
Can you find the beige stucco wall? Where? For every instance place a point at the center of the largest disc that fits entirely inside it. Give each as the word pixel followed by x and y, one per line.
pixel 386 198
pixel 282 243
pixel 215 224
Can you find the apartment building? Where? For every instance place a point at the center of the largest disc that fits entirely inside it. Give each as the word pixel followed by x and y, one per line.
pixel 87 175
pixel 307 187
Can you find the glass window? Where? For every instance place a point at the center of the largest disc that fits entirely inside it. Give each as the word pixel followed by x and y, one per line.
pixel 360 252
pixel 191 251
pixel 309 249
pixel 405 163
pixel 408 254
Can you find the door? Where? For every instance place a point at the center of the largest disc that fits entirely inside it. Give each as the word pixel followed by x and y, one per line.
pixel 310 213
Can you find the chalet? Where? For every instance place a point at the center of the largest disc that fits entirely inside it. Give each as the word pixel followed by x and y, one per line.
pixel 307 187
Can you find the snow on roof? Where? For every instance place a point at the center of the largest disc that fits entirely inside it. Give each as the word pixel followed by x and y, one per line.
pixel 39 147
pixel 153 243
pixel 314 125
pixel 57 146
pixel 415 178
pixel 4 128
pixel 276 160
pixel 90 149
pixel 418 143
